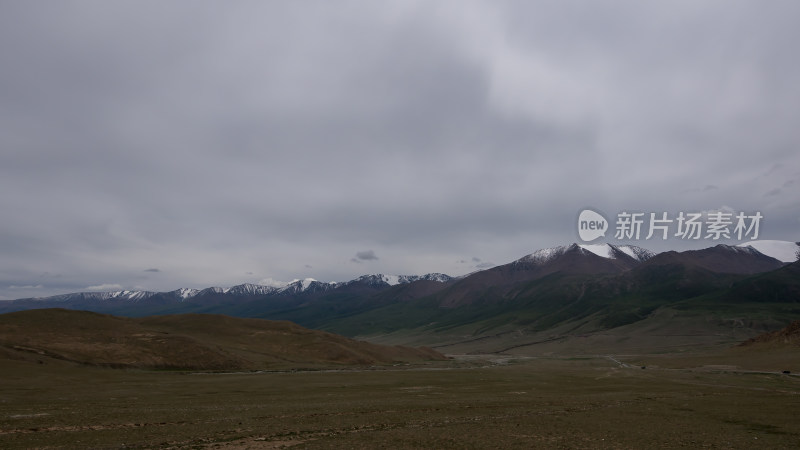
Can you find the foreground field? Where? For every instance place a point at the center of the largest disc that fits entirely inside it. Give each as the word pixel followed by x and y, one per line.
pixel 592 402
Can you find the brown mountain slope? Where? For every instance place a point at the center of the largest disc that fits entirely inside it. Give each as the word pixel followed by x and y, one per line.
pixel 495 283
pixel 720 259
pixel 186 341
pixel 785 337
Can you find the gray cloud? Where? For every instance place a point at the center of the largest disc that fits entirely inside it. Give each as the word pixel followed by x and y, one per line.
pixel 213 139
pixel 38 286
pixel 104 287
pixel 154 270
pixel 367 255
pixel 706 188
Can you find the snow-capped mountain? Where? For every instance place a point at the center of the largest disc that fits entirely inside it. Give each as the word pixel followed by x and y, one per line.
pixel 586 259
pixel 212 290
pixel 305 285
pixel 613 251
pixel 572 284
pixel 608 251
pixel 184 293
pixel 251 289
pixel 393 280
pixel 784 251
pixel 566 260
pixel 135 296
pixel 434 276
pixel 240 289
pixel 101 296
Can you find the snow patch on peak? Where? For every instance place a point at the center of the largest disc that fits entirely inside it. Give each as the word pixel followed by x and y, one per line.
pixel 741 249
pixel 216 290
pixel 637 253
pixel 737 248
pixel 610 251
pixel 303 285
pixel 394 280
pixel 129 295
pixel 607 251
pixel 544 255
pixel 377 279
pixel 436 276
pixel 306 282
pixel 251 289
pixel 784 251
pixel 604 250
pixel 185 293
pixel 391 280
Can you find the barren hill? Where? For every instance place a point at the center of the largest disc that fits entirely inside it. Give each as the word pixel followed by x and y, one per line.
pixel 186 341
pixel 788 336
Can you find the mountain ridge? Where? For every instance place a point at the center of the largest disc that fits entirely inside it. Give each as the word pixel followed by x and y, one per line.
pixel 573 258
pixel 293 287
pixel 624 255
pixel 587 287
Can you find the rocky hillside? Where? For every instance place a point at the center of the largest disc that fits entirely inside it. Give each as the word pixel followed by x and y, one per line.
pixel 788 336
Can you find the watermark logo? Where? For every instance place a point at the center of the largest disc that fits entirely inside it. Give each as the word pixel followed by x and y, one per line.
pixel 591 225
pixel 713 225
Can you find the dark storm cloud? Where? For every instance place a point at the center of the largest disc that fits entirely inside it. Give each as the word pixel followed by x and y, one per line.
pixel 211 140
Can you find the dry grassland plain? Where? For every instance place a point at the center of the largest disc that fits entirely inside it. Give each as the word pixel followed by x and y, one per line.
pixel 476 402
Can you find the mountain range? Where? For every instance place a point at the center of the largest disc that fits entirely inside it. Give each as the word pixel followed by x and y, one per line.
pixel 307 285
pixel 623 256
pixel 565 291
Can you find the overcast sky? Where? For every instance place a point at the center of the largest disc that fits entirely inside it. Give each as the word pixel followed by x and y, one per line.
pixel 157 145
